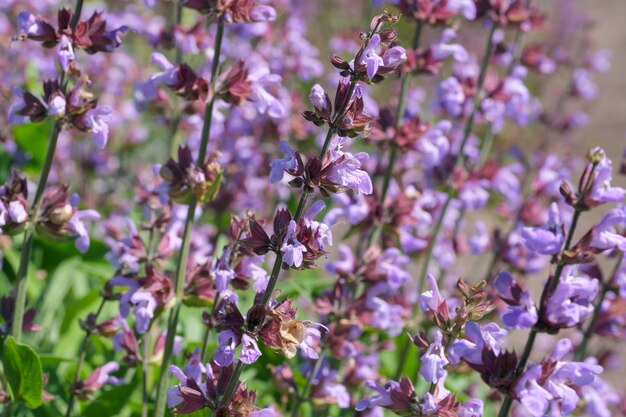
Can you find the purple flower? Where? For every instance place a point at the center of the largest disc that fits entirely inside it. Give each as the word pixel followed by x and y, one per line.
pixel 560 378
pixel 194 367
pixel 191 394
pixel 572 301
pixel 57 106
pixel 346 262
pixel 77 229
pixel 466 7
pixel 144 305
pixel 533 396
pixel 326 386
pixel 370 58
pixel 392 264
pixel 522 313
pixel 100 377
pixel 346 169
pixel 583 85
pixel 262 83
pixel 451 96
pixel 381 399
pixel 443 49
pixel 474 195
pixel 97 122
pixel 287 163
pixel 322 233
pixel 353 207
pixel 472 408
pixel 147 91
pixel 223 272
pixel 386 316
pixel 312 338
pixel 394 57
pixel 477 338
pixel 292 249
pixel 480 241
pixel 320 100
pixel 434 145
pixel 33 26
pixel 598 396
pixel 65 53
pixel 546 240
pixel 227 342
pixel 431 300
pixel 263 13
pixel 16 212
pixel 249 350
pixel 249 268
pixel 604 234
pixel 601 189
pixel 434 360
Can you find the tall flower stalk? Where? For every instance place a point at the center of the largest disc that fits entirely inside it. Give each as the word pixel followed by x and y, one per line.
pixel 460 157
pixel 278 262
pixel 393 152
pixel 181 265
pixel 548 290
pixel 29 235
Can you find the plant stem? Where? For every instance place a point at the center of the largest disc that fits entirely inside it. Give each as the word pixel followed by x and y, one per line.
pixel 81 358
pixel 581 350
pixel 460 158
pixel 507 403
pixel 77 12
pixel 178 12
pixel 393 152
pixel 144 374
pixel 181 266
pixel 21 277
pixel 309 382
pixel 232 384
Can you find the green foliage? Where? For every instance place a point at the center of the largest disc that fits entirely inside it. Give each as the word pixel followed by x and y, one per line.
pixel 22 368
pixel 32 139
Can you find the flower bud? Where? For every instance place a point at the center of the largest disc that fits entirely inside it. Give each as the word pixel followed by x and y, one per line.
pixel 60 215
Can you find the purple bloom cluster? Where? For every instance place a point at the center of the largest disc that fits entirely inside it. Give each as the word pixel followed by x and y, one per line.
pixel 288 234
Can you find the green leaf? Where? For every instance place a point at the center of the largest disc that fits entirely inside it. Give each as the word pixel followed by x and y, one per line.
pixel 32 139
pixel 23 371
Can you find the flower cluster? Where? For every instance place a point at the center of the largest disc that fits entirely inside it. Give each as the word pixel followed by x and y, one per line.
pixel 262 231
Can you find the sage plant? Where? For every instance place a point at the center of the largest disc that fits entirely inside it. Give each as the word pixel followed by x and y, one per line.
pixel 307 208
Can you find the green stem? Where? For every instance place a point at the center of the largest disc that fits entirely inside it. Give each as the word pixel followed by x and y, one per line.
pixel 77 12
pixel 205 343
pixel 433 242
pixel 22 271
pixel 309 382
pixel 181 266
pixel 144 374
pixel 279 256
pixel 507 403
pixel 460 158
pixel 393 152
pixel 81 359
pixel 581 350
pixel 178 12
